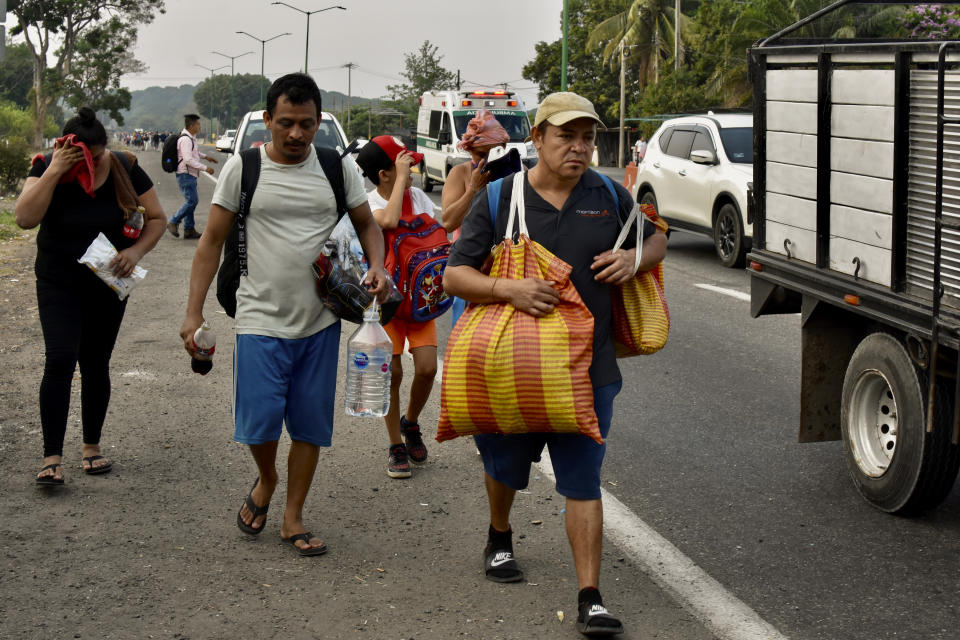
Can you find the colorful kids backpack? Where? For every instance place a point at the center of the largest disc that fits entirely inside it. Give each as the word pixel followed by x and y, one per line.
pixel 417 252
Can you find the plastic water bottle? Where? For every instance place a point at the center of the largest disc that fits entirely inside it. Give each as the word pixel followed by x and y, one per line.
pixel 204 344
pixel 369 356
pixel 134 224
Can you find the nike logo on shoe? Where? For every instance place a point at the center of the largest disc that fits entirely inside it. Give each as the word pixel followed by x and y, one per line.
pixel 501 557
pixel 597 609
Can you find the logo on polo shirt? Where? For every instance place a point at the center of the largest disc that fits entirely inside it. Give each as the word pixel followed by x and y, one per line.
pixel 589 213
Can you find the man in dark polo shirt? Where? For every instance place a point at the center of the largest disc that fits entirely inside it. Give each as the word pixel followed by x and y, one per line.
pixel 571 212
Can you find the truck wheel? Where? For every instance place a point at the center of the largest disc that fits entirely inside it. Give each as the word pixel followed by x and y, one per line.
pixel 895 464
pixel 425 180
pixel 728 237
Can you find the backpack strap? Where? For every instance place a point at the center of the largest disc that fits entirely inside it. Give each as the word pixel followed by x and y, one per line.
pixel 612 189
pixel 332 167
pixel 124 160
pixel 249 176
pixel 493 201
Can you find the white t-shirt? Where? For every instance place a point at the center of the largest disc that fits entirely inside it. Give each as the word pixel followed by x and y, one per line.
pixel 292 212
pixel 421 201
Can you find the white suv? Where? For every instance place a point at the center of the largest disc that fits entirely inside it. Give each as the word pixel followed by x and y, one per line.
pixel 253 132
pixel 697 170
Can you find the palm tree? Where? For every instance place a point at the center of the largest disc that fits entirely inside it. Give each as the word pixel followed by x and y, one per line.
pixel 648 25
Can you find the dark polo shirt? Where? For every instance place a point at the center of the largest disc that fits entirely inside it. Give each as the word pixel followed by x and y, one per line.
pixel 587 226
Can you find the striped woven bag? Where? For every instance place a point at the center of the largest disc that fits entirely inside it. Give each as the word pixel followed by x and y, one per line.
pixel 641 318
pixel 506 371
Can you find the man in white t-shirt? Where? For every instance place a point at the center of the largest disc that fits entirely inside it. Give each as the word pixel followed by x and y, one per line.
pixel 285 362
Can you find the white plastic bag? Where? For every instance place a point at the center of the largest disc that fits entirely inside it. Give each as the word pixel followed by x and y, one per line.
pixel 98 257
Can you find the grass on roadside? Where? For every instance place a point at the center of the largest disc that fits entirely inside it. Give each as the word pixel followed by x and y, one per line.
pixel 8 227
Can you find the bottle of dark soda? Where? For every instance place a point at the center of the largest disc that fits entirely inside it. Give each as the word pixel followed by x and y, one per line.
pixel 134 224
pixel 204 344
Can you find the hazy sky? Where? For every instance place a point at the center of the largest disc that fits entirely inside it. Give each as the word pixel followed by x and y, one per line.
pixel 489 41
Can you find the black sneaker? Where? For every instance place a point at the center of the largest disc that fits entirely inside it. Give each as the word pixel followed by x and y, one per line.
pixel 593 619
pixel 499 564
pixel 397 464
pixel 411 434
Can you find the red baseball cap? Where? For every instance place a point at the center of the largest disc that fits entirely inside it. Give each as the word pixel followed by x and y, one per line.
pixel 380 153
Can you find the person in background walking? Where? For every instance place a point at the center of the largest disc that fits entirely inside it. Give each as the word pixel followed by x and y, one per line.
pixel 85 190
pixel 466 180
pixel 640 148
pixel 566 211
pixel 188 171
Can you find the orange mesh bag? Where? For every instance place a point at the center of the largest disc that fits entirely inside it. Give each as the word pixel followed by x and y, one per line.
pixel 641 318
pixel 506 371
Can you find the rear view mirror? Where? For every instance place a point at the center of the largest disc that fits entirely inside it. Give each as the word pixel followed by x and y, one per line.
pixel 702 156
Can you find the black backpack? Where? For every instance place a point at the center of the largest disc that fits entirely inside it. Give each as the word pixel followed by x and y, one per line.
pixel 234 262
pixel 170 157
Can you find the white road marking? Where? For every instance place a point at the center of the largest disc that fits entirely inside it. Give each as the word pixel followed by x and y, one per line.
pixel 724 615
pixel 733 293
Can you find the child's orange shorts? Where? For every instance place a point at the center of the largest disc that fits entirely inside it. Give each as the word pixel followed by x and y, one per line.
pixel 418 334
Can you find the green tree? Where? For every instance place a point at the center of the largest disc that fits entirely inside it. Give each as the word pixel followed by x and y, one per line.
pixel 227 98
pixel 587 74
pixel 101 60
pixel 52 31
pixel 16 75
pixel 422 71
pixel 649 27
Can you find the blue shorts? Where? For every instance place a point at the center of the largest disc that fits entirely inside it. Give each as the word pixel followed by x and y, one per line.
pixel 576 458
pixel 279 380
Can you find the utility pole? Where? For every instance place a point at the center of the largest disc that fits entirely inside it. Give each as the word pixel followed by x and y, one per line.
pixel 349 67
pixel 563 48
pixel 458 75
pixel 676 35
pixel 623 99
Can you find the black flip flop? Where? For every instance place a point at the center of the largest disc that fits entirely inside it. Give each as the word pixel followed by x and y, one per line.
pixel 499 565
pixel 595 621
pixel 255 510
pixel 309 551
pixel 50 481
pixel 92 470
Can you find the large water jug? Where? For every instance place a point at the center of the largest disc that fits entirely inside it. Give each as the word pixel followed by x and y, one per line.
pixel 369 356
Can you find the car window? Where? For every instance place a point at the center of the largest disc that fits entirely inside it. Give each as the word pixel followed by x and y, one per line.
pixel 435 117
pixel 255 133
pixel 680 143
pixel 327 135
pixel 703 142
pixel 738 144
pixel 664 140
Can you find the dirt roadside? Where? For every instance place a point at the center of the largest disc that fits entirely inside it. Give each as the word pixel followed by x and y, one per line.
pixel 151 550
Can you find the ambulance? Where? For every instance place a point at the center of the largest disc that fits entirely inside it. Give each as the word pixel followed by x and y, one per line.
pixel 443 118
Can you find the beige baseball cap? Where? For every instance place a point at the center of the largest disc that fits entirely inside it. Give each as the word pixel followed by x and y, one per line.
pixel 563 106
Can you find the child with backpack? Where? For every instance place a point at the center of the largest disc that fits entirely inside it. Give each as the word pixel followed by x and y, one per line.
pixel 416 252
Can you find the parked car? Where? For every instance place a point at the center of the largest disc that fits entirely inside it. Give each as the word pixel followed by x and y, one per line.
pixel 253 132
pixel 225 142
pixel 697 170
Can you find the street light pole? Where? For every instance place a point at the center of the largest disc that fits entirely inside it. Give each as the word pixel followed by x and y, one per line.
pixel 263 45
pixel 211 78
pixel 232 58
pixel 306 52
